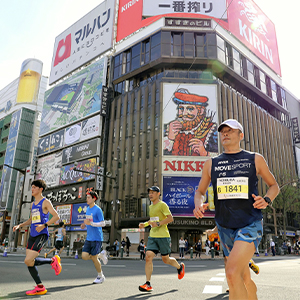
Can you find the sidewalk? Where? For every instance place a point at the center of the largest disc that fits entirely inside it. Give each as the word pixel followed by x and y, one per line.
pixel 136 255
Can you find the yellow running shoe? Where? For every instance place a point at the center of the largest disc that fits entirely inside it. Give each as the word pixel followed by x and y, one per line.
pixel 254 267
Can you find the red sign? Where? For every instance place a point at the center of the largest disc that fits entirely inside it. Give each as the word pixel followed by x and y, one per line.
pixel 183 165
pixel 252 27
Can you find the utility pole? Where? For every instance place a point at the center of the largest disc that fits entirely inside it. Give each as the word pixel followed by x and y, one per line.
pixel 20 205
pixel 116 195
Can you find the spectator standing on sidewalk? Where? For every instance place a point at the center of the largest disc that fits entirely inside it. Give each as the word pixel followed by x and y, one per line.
pixel 128 244
pixel 181 247
pixel 198 248
pixel 272 244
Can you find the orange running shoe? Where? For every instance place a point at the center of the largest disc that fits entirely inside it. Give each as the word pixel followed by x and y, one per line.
pixel 37 291
pixel 181 271
pixel 56 264
pixel 145 288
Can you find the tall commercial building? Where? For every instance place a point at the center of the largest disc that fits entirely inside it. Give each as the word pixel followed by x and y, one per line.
pixel 179 70
pixel 20 114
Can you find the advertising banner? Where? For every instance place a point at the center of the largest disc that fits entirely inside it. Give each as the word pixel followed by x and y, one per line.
pixel 189 120
pixel 69 175
pixel 75 98
pixel 81 151
pixel 253 28
pixel 48 169
pixel 72 134
pixel 57 140
pixel 43 145
pixel 91 128
pixel 78 213
pixel 179 193
pixel 178 165
pixel 212 8
pixel 9 157
pixel 65 213
pixel 87 38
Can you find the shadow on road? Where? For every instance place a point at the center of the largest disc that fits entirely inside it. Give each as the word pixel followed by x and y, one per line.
pixel 219 297
pixel 143 296
pixel 22 294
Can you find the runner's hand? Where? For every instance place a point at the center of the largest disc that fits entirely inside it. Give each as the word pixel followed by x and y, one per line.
pixel 259 202
pixel 199 210
pixel 15 228
pixel 40 227
pixel 82 226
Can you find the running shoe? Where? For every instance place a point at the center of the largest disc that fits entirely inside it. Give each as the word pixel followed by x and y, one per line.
pixel 103 256
pixel 181 271
pixel 37 291
pixel 56 264
pixel 253 267
pixel 145 288
pixel 99 279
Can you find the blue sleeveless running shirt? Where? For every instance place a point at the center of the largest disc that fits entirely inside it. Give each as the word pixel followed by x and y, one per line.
pixel 234 180
pixel 37 218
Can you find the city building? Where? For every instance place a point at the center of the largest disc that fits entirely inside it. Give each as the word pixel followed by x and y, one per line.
pixel 181 61
pixel 20 115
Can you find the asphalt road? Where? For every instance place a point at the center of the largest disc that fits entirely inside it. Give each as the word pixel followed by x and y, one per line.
pixel 204 279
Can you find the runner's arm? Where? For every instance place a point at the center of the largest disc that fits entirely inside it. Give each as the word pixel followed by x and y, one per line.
pixel 202 188
pixel 263 170
pixel 28 222
pixel 98 224
pixel 49 207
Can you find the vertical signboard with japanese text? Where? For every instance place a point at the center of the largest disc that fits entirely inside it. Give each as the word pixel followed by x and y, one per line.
pixel 9 157
pixel 84 40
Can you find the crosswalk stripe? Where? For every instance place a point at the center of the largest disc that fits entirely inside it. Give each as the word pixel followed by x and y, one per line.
pixel 212 289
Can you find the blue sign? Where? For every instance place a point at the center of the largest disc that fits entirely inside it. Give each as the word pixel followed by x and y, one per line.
pixel 74 228
pixel 78 213
pixel 179 193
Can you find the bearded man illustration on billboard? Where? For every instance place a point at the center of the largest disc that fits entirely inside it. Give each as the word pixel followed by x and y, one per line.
pixel 193 132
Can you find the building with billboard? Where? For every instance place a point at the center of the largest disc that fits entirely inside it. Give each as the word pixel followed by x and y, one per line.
pixel 20 114
pixel 178 71
pixel 71 134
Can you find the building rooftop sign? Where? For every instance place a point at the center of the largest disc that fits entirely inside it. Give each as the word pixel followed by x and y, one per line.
pixel 84 40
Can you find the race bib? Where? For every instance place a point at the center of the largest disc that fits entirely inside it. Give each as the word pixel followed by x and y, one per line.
pixel 35 216
pixel 90 218
pixel 154 219
pixel 232 188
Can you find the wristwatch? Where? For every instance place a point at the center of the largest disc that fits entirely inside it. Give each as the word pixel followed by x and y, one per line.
pixel 157 224
pixel 46 225
pixel 268 200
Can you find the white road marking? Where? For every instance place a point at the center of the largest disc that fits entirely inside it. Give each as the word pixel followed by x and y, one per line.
pixel 113 266
pixel 212 289
pixel 217 279
pixel 199 266
pixel 221 274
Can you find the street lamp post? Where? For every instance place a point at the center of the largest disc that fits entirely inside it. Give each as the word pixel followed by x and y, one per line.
pixel 21 203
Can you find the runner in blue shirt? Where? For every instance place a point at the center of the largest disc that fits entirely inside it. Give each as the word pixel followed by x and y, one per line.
pixel 39 221
pixel 94 221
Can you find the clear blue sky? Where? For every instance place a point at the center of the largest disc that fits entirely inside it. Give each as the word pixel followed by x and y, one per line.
pixel 29 27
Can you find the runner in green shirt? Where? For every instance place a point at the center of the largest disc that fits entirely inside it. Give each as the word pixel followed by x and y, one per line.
pixel 159 239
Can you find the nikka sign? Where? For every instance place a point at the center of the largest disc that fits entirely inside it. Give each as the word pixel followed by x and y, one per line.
pixel 253 28
pixel 183 165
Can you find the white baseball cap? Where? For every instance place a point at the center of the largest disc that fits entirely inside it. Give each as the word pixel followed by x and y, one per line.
pixel 232 123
